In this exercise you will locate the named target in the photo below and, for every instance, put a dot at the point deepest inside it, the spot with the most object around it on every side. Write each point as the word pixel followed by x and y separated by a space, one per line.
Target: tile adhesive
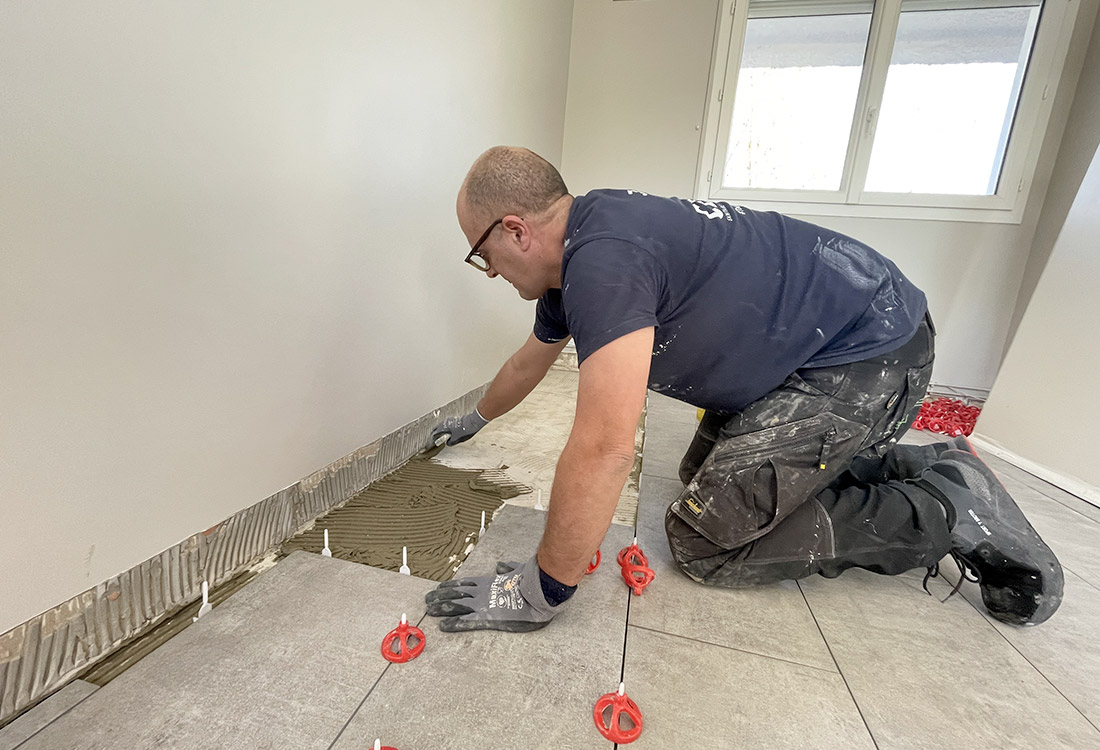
pixel 433 509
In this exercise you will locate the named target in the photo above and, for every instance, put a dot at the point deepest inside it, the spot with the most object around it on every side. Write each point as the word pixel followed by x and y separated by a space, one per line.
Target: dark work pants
pixel 810 479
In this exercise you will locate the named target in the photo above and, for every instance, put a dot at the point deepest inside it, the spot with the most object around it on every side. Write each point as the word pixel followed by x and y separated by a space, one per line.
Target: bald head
pixel 510 180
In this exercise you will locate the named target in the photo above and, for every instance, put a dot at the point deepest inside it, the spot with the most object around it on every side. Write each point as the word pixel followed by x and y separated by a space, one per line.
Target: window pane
pixel 796 94
pixel 950 99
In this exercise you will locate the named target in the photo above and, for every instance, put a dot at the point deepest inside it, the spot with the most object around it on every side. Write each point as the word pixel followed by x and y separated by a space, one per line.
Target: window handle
pixel 870 121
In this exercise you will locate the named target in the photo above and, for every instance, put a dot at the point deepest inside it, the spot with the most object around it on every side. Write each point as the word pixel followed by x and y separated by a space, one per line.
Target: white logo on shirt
pixel 714 210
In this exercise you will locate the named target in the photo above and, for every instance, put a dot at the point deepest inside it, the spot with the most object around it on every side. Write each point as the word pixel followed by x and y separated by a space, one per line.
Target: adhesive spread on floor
pixel 131 653
pixel 432 509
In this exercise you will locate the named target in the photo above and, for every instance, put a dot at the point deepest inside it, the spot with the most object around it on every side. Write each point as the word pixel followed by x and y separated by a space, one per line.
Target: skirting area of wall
pixel 1070 484
pixel 45 652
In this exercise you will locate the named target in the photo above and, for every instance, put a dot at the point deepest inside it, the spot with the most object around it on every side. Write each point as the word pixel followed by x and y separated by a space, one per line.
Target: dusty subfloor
pixel 526 442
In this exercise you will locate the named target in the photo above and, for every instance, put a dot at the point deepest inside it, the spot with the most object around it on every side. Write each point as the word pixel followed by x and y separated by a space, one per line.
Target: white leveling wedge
pixel 326 551
pixel 405 561
pixel 205 608
pixel 482 524
pixel 538 502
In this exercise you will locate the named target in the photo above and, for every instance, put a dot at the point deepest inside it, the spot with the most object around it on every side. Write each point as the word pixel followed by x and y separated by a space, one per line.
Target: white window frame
pixel 1045 67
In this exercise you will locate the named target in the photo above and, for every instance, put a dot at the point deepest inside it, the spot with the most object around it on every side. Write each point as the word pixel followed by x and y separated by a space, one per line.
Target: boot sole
pixel 1021 578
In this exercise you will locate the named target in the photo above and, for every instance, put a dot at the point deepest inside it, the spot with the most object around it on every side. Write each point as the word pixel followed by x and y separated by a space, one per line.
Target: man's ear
pixel 517 228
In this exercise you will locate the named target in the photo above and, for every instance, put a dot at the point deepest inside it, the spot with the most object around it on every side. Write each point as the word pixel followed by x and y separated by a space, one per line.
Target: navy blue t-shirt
pixel 740 299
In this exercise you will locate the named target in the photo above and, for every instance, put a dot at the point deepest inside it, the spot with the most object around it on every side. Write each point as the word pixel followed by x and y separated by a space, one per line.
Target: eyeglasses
pixel 475 258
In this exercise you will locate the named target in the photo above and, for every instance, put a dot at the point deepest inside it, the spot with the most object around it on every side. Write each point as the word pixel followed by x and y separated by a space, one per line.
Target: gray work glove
pixel 459 429
pixel 512 600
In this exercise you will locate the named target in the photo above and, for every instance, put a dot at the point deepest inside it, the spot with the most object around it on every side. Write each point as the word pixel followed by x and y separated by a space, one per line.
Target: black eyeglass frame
pixel 475 250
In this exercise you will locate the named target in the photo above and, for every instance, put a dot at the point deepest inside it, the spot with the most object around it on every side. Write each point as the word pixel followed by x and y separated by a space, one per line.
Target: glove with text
pixel 512 601
pixel 459 429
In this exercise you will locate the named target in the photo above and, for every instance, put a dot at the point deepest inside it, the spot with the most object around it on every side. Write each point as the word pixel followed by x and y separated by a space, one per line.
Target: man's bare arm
pixel 598 456
pixel 518 376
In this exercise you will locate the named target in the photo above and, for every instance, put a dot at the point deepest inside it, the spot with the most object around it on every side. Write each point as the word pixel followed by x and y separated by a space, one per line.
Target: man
pixel 810 353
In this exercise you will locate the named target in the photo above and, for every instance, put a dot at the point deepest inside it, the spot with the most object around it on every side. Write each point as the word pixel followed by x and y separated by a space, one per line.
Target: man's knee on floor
pixel 704 562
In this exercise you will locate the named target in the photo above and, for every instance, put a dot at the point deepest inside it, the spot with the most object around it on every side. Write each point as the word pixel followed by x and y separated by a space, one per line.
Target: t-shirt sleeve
pixel 611 288
pixel 550 325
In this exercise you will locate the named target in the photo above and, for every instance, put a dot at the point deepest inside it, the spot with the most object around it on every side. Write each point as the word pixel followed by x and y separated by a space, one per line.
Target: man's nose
pixel 491 273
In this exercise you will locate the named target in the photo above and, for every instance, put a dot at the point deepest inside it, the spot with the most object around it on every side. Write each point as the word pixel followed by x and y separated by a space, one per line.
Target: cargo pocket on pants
pixel 905 404
pixel 751 482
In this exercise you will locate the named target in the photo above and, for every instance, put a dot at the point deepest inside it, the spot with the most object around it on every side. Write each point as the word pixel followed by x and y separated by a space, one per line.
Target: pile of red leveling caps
pixel 947 416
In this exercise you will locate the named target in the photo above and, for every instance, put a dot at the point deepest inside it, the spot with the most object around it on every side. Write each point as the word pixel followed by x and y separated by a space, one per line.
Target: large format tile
pixel 27 725
pixel 769 620
pixel 700 697
pixel 1074 538
pixel 282 664
pixel 1066 648
pixel 927 674
pixel 1007 469
pixel 664 408
pixel 506 690
pixel 663 448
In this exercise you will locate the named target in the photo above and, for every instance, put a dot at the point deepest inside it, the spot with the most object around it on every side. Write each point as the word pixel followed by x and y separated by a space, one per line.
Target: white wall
pixel 228 252
pixel 649 62
pixel 1044 405
pixel 1079 140
pixel 637 86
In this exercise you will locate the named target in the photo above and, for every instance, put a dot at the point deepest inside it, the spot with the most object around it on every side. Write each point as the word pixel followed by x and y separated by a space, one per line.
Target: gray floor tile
pixel 664 428
pixel 768 620
pixel 1066 648
pixel 506 690
pixel 664 407
pixel 1074 539
pixel 281 664
pixel 662 451
pixel 700 697
pixel 1005 469
pixel 932 675
pixel 45 712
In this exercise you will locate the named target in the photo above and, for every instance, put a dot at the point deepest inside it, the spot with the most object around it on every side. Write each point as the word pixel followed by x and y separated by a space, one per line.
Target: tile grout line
pixel 1083 580
pixel 838 669
pixel 626 634
pixel 358 708
pixel 1048 495
pixel 56 718
pixel 738 650
pixel 626 620
pixel 1067 506
pixel 1030 663
pixel 362 702
pixel 657 476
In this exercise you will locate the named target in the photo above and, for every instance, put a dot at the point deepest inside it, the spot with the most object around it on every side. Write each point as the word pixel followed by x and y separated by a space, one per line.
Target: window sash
pixel 1045 63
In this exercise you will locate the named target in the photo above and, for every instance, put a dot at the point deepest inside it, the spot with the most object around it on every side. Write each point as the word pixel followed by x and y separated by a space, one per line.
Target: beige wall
pixel 1080 139
pixel 1044 406
pixel 637 83
pixel 228 254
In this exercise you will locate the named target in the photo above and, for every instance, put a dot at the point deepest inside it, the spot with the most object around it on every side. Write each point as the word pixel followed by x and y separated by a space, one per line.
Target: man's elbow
pixel 618 456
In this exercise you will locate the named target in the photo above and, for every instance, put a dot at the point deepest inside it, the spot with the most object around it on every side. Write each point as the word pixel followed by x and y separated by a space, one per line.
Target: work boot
pixel 1020 578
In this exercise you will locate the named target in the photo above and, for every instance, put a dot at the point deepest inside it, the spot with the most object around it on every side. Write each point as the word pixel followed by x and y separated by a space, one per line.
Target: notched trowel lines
pixel 432 509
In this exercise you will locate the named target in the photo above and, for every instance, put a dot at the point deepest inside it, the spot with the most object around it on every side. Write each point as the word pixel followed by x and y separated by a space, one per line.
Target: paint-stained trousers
pixel 810 478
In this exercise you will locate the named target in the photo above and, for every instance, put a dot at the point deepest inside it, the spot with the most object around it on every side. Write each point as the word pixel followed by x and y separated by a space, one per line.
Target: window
pixel 920 108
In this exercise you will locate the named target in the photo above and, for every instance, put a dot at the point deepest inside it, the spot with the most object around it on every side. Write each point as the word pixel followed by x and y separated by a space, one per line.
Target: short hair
pixel 510 180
